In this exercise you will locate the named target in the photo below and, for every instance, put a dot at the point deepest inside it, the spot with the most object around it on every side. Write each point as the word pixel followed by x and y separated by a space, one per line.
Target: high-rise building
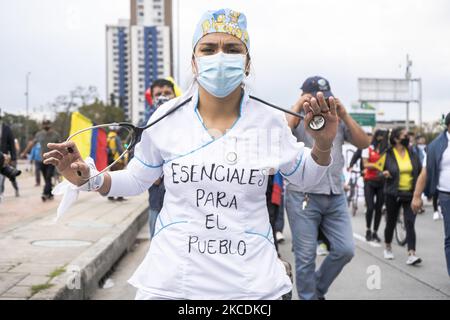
pixel 118 68
pixel 138 52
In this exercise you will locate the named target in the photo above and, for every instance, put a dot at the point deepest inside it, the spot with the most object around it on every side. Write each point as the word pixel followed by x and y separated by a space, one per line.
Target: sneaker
pixel 17 194
pixel 322 250
pixel 111 198
pixel 413 260
pixel 46 197
pixel 368 235
pixel 437 216
pixel 279 236
pixel 388 255
pixel 375 237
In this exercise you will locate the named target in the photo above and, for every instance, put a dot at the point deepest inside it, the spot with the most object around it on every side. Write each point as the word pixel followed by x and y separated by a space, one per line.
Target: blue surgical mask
pixel 221 73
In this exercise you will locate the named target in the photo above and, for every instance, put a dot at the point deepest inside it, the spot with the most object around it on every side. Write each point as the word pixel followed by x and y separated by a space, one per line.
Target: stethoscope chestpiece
pixel 231 155
pixel 317 122
pixel 231 158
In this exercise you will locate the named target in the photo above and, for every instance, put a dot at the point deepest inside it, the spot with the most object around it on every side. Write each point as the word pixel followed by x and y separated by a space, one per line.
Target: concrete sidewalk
pixel 42 259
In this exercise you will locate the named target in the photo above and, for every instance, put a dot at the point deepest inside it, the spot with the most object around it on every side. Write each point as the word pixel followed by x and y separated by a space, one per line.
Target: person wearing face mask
pixel 401 170
pixel 44 137
pixel 373 184
pixel 213 237
pixel 419 147
pixel 161 91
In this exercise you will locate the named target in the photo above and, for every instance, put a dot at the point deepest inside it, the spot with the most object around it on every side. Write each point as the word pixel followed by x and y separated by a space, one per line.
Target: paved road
pixel 397 280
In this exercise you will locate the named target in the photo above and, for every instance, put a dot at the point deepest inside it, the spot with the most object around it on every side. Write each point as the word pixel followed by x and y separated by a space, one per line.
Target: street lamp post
pixel 27 95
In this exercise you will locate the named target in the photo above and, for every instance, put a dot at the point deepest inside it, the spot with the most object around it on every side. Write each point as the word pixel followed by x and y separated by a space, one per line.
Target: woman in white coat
pixel 213 239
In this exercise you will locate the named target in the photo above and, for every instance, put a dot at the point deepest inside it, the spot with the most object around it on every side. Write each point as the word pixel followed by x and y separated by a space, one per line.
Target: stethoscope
pixel 317 123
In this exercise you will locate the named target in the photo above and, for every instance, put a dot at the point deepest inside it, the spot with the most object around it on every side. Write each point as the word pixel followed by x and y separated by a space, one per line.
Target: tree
pixel 17 124
pixel 85 95
pixel 61 124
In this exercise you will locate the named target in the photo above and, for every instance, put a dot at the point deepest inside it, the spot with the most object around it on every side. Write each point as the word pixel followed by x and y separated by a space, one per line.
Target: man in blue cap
pixel 325 206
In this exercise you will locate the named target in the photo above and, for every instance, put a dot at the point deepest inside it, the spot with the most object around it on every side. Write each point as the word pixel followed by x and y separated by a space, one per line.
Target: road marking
pixel 363 239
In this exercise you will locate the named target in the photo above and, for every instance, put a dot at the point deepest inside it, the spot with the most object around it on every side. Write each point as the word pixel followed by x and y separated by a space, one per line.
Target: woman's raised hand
pixel 319 106
pixel 67 160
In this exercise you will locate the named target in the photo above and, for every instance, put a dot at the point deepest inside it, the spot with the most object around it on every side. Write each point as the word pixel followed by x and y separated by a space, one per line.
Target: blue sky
pixel 62 44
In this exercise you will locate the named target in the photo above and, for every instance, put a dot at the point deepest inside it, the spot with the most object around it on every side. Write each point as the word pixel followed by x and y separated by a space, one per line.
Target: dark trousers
pixel 37 169
pixel 13 182
pixel 435 202
pixel 393 205
pixel 371 191
pixel 273 214
pixel 47 171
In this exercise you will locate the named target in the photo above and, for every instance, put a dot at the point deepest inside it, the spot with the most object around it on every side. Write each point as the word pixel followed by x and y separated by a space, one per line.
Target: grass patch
pixel 57 272
pixel 39 287
pixel 44 286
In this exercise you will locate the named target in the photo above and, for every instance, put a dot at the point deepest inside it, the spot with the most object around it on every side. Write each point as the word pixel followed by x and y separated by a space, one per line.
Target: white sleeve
pixel 144 169
pixel 297 165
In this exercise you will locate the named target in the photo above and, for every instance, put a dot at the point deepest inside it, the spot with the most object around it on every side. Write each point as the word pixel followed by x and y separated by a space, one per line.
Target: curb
pixel 84 273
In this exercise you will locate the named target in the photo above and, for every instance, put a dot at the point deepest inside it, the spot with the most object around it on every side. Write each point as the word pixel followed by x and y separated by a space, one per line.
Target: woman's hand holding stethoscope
pixel 321 120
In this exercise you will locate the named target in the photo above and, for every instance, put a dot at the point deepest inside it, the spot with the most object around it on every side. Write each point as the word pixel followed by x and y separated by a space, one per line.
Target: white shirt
pixel 444 176
pixel 213 238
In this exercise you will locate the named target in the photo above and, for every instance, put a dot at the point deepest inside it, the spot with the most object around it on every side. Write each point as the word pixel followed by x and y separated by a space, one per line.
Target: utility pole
pixel 408 77
pixel 420 103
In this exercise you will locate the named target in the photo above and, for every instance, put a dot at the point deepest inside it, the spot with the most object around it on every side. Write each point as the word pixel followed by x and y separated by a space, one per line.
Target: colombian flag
pixel 92 143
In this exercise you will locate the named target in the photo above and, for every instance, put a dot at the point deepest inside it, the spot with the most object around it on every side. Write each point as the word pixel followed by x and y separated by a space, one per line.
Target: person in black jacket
pixel 8 147
pixel 401 170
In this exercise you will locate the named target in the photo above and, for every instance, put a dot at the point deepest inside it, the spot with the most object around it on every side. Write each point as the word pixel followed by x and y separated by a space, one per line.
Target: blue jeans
pixel 152 217
pixel 330 213
pixel 444 200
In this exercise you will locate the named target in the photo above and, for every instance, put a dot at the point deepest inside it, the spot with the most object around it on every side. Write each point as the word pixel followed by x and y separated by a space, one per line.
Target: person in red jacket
pixel 373 184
